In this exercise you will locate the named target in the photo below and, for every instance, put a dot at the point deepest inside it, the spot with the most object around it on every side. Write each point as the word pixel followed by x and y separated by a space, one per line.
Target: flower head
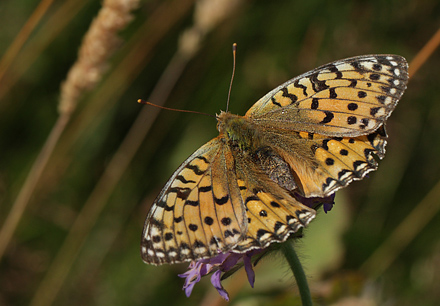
pixel 225 262
pixel 221 263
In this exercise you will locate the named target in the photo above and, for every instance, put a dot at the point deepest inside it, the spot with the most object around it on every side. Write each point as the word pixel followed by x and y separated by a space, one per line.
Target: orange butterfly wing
pixel 328 122
pixel 314 134
pixel 351 97
pixel 272 212
pixel 217 202
pixel 199 211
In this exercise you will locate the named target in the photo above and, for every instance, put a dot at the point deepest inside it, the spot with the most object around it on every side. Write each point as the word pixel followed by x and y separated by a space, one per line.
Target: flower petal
pixel 189 288
pixel 230 261
pixel 248 267
pixel 215 280
pixel 193 276
pixel 328 204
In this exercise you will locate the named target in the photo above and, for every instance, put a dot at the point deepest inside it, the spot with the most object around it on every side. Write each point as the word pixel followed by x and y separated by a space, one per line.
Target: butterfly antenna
pixel 234 50
pixel 174 109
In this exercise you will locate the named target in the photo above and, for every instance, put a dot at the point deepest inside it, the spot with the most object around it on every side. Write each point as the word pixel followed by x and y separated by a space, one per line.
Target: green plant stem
pixel 298 272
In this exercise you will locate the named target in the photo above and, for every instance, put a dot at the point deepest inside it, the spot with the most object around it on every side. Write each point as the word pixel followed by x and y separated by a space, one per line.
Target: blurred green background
pixel 77 242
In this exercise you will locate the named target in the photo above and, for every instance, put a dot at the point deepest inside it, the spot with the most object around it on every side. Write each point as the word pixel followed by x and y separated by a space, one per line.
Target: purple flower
pixel 221 263
pixel 314 202
pixel 225 262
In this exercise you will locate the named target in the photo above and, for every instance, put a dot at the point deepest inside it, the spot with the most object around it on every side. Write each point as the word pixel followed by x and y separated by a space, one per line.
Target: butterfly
pixel 312 135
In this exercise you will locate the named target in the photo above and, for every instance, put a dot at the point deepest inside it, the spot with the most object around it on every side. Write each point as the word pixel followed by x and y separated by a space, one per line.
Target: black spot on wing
pixel 184 246
pixel 181 193
pixel 157 223
pixel 228 233
pixel 222 200
pixel 156 239
pixel 358 67
pixel 205 188
pixel 209 221
pixel 161 204
pixel 169 208
pixel 203 158
pixel 353 84
pixel 199 244
pixel 352 106
pixel 333 69
pixel 381 99
pixel 275 102
pixel 377 67
pixel 351 120
pixel 193 227
pixel 298 85
pixel 329 161
pixel 183 180
pixel 342 173
pixel 178 220
pixel 287 94
pixel 261 233
pixel 277 226
pixel 226 221
pixel 251 198
pixel 365 122
pixel 274 204
pixel 362 94
pixel 192 203
pixel 328 117
pixel 374 76
pixel 317 85
pixel 196 169
pixel 214 241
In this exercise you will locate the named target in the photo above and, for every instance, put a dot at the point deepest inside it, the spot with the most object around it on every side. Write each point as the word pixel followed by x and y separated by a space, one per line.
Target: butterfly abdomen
pixel 275 167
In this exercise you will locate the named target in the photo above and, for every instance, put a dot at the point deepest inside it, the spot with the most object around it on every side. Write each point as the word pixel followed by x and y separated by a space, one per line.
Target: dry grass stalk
pixel 16 46
pixel 60 268
pixel 114 15
pixel 99 43
pixel 207 15
pixel 423 55
pixel 47 32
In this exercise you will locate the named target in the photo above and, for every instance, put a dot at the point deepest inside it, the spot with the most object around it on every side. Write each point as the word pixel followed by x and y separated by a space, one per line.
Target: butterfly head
pixel 238 130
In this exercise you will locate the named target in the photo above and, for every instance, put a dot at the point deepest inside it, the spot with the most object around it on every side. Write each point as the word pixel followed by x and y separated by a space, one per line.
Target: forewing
pixel 350 97
pixel 199 212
